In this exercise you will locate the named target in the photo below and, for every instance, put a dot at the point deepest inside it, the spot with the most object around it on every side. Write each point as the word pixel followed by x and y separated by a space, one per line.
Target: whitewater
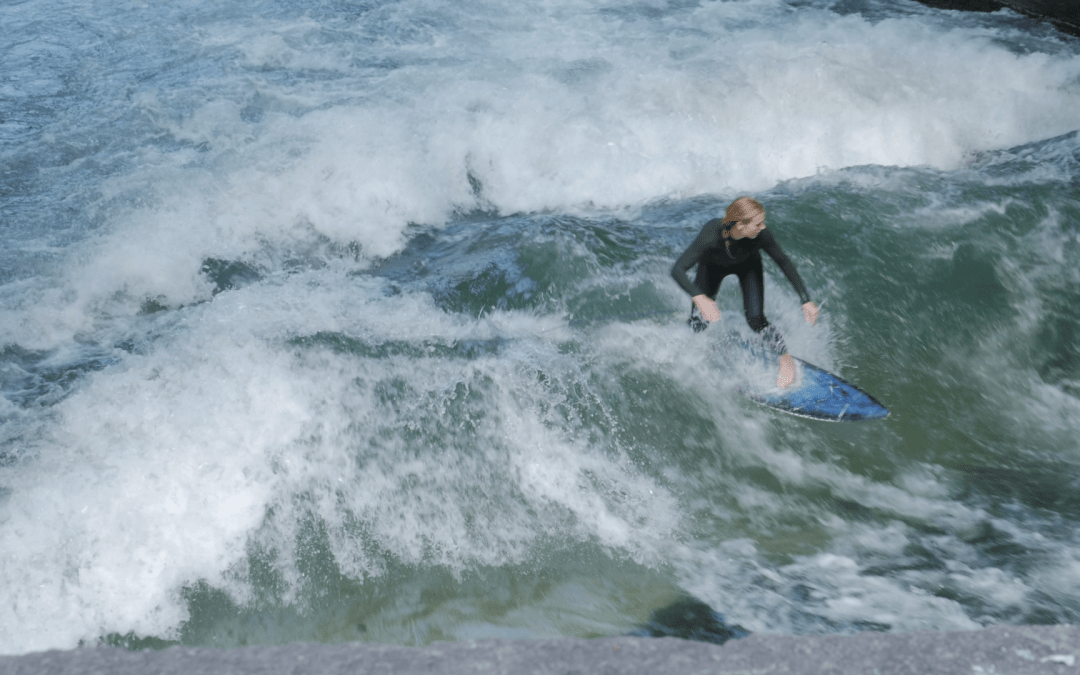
pixel 348 321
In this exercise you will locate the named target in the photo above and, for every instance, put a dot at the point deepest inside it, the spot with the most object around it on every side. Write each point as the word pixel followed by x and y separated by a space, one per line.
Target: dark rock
pixel 1064 14
pixel 690 619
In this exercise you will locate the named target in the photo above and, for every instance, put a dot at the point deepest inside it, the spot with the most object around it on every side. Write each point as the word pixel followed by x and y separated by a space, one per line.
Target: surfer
pixel 732 245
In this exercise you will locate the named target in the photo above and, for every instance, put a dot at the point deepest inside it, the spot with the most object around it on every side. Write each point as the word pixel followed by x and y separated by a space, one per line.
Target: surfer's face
pixel 748 228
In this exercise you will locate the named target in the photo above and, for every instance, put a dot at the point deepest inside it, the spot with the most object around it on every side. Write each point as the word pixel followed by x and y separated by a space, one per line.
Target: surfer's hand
pixel 810 311
pixel 787 371
pixel 707 306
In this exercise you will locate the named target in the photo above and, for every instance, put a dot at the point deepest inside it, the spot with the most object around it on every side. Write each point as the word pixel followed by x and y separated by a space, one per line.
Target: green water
pixel 949 297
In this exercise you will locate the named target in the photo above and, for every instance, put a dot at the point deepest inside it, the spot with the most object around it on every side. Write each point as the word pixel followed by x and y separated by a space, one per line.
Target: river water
pixel 331 321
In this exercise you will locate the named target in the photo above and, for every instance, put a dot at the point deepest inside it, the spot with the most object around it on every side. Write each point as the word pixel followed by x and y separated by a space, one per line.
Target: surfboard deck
pixel 815 394
pixel 820 395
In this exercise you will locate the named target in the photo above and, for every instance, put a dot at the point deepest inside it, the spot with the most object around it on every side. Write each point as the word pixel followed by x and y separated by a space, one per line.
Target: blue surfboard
pixel 816 393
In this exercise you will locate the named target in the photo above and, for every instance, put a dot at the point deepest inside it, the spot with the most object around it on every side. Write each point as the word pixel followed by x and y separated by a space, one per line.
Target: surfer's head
pixel 744 218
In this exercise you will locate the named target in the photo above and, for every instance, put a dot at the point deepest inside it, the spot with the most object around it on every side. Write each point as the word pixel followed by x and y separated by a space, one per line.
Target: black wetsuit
pixel 717 257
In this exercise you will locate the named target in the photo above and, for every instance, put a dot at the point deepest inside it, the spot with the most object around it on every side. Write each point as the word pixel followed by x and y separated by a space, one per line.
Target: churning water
pixel 351 320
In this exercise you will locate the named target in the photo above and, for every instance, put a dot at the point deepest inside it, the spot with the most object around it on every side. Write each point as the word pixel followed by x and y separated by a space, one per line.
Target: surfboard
pixel 815 394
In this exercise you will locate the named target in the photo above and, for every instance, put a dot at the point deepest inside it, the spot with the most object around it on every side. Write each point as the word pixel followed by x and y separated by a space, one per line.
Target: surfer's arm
pixel 707 306
pixel 770 245
pixel 707 238
pixel 787 365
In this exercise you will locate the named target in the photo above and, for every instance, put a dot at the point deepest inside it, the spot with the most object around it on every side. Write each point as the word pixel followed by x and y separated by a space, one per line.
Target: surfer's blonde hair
pixel 743 209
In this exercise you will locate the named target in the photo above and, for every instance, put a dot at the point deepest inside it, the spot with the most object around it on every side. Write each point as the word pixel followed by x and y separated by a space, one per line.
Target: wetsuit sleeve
pixel 770 245
pixel 709 237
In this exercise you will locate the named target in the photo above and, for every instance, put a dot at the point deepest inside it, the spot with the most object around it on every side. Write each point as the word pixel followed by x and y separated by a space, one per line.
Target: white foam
pixel 159 470
pixel 148 479
pixel 608 114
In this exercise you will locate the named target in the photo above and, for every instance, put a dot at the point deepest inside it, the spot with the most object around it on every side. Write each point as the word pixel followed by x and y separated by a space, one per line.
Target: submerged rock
pixel 690 619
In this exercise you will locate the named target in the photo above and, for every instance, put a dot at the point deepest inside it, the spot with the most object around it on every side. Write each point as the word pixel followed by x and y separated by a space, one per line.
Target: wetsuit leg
pixel 752 282
pixel 708 279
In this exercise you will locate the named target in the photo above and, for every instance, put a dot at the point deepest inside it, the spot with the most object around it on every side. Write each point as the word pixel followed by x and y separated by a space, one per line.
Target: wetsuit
pixel 717 257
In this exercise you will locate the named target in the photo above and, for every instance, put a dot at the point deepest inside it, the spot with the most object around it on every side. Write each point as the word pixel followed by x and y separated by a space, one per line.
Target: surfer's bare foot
pixel 787 371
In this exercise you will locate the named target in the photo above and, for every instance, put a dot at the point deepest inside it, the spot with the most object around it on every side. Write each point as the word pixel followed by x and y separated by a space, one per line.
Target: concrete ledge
pixel 1018 650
